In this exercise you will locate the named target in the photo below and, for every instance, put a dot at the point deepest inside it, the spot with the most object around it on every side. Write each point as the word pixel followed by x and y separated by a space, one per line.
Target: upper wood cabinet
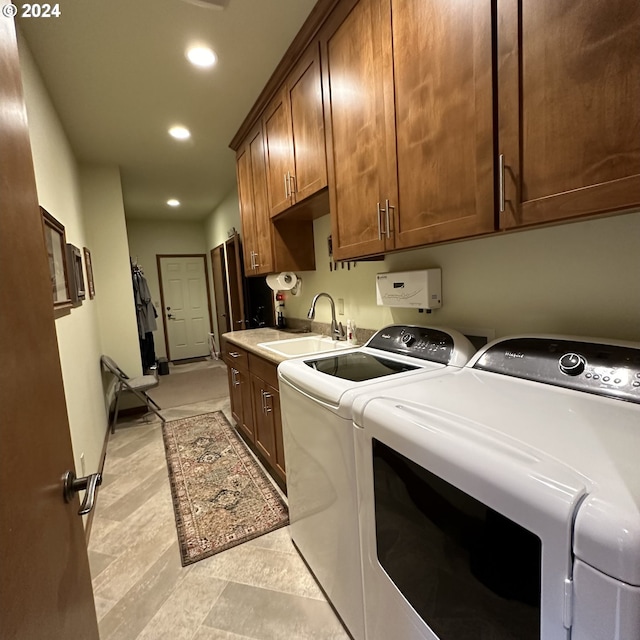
pixel 446 120
pixel 252 193
pixel 569 114
pixel 409 122
pixel 294 137
pixel 268 247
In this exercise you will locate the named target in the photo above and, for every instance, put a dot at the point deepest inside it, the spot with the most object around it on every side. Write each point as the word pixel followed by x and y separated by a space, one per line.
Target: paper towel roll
pixel 284 281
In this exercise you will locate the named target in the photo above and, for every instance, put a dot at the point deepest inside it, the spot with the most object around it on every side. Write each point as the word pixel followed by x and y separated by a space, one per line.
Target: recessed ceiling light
pixel 173 202
pixel 211 4
pixel 179 132
pixel 201 57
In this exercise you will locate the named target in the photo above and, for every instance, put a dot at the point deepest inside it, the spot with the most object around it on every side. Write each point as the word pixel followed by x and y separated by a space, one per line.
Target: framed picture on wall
pixel 56 246
pixel 76 276
pixel 89 267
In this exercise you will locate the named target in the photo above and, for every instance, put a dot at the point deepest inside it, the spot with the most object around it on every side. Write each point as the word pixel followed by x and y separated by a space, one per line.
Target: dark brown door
pixel 236 282
pixel 442 63
pixel 220 290
pixel 569 90
pixel 45 585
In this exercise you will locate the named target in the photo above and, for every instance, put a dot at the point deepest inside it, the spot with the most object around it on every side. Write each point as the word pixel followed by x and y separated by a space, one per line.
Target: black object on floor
pixel 163 367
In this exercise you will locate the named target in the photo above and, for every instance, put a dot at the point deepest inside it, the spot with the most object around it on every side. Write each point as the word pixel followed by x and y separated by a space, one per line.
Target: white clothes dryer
pixel 502 502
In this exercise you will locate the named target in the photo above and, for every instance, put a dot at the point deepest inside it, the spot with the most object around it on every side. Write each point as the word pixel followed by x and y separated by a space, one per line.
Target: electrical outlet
pixel 340 306
pixel 82 465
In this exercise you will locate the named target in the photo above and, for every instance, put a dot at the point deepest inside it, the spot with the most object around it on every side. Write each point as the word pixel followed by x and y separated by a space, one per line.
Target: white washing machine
pixel 316 395
pixel 502 502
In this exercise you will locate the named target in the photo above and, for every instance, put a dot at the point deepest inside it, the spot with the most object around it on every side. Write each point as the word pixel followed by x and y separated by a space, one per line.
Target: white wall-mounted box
pixel 414 289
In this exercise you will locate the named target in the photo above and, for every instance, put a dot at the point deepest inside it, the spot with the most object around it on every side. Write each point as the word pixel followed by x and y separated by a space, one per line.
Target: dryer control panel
pixel 604 369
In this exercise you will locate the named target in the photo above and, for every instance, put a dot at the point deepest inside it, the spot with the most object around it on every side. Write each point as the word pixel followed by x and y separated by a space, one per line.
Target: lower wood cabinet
pixel 241 405
pixel 268 424
pixel 255 406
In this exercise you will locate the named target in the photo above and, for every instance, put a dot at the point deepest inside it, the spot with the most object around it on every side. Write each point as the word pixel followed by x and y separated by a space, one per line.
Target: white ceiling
pixel 118 77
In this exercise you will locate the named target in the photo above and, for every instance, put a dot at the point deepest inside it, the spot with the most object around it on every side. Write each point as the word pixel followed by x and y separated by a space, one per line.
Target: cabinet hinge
pixel 567 614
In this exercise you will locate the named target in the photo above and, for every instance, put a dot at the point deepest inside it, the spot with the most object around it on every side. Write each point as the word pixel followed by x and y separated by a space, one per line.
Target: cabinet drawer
pixel 234 356
pixel 264 369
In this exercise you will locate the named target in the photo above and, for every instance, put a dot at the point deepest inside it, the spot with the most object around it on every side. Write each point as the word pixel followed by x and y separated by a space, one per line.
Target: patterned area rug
pixel 221 497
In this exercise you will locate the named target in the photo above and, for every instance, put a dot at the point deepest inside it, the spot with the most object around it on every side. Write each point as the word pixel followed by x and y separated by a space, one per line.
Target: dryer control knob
pixel 407 339
pixel 572 364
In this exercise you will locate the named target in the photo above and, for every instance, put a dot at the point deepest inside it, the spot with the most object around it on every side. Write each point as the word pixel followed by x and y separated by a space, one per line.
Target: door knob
pixel 171 316
pixel 89 484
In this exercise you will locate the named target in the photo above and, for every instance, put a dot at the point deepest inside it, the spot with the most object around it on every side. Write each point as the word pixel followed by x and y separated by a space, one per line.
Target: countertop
pixel 249 338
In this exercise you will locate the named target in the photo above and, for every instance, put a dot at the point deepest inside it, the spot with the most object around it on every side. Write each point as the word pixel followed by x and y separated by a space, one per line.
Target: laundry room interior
pixel 361 244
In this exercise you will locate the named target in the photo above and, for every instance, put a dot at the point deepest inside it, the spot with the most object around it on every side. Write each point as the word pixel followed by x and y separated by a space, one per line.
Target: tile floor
pixel 259 590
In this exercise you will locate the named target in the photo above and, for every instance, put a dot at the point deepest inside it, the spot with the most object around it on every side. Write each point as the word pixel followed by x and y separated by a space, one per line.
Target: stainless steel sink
pixel 294 347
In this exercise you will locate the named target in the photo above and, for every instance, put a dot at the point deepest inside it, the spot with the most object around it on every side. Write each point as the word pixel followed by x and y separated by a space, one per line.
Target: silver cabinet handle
pixel 380 222
pixel 292 184
pixel 234 354
pixel 387 207
pixel 262 394
pixel 286 187
pixel 256 264
pixel 267 408
pixel 234 377
pixel 89 484
pixel 501 182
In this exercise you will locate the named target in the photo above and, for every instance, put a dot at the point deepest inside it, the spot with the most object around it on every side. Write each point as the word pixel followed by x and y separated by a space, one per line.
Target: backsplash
pixel 521 282
pixel 324 328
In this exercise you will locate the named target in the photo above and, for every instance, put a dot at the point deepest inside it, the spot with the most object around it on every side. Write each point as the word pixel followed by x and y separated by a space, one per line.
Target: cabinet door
pixel 247 424
pixel 234 395
pixel 279 154
pixel 358 102
pixel 263 418
pixel 240 396
pixel 569 90
pixel 254 213
pixel 442 63
pixel 263 259
pixel 304 90
pixel 273 401
pixel 245 198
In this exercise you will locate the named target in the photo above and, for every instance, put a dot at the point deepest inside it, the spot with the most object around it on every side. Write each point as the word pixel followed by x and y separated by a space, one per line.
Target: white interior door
pixel 185 306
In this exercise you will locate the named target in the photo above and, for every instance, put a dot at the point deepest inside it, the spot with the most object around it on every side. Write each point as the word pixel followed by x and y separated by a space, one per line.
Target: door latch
pixel 89 484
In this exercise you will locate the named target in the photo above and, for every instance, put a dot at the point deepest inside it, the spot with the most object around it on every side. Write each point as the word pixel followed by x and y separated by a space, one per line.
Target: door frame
pixel 218 255
pixel 159 256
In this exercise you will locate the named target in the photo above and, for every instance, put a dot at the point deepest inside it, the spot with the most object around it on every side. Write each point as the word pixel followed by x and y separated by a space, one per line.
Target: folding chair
pixel 138 386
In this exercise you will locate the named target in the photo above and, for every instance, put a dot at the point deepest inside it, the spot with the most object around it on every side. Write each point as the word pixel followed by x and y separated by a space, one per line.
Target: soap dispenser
pixel 351 332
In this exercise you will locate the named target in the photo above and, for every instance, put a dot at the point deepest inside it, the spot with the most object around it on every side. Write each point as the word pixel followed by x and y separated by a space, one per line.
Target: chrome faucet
pixel 337 330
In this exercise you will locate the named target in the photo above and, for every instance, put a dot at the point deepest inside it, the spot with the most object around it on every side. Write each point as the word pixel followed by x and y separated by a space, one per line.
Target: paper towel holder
pixel 285 281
